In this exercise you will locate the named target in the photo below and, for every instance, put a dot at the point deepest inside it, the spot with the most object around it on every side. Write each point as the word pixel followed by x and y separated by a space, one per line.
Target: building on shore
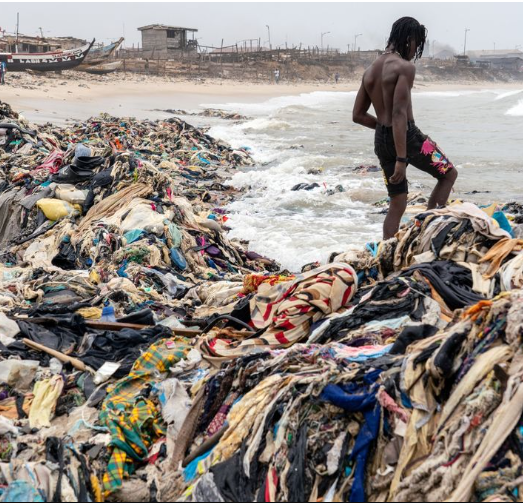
pixel 27 44
pixel 501 59
pixel 168 42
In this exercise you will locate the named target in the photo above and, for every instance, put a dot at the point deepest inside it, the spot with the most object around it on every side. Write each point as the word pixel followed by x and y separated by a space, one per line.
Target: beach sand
pixel 57 99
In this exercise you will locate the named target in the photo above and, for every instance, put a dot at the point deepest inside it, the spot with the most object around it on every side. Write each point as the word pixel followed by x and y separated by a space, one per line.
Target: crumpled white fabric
pixel 481 222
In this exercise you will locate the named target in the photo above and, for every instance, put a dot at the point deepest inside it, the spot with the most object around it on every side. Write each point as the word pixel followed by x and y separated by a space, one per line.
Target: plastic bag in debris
pixel 174 234
pixel 175 402
pixel 21 491
pixel 18 374
pixel 143 216
pixel 105 372
pixel 69 193
pixel 7 426
pixel 55 209
pixel 82 150
pixel 8 329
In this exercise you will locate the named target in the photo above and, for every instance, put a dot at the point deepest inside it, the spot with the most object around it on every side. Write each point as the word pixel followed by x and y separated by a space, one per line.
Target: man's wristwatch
pixel 402 159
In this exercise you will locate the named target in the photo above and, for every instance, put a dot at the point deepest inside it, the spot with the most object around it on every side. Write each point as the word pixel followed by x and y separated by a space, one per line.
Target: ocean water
pixel 311 138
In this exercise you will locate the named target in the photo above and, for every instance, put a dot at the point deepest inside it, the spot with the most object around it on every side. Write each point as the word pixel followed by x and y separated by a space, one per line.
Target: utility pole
pixel 355 40
pixel 269 31
pixel 433 53
pixel 324 33
pixel 465 44
pixel 17 28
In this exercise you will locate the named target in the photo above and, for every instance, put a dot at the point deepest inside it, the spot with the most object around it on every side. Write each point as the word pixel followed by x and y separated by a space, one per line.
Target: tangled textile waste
pixel 144 356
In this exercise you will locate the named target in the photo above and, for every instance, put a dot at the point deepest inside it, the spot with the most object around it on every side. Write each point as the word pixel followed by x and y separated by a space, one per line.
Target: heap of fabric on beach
pixel 393 373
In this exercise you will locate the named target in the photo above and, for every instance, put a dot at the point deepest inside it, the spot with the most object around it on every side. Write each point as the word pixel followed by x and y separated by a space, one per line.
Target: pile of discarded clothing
pixel 115 213
pixel 220 114
pixel 434 416
pixel 146 357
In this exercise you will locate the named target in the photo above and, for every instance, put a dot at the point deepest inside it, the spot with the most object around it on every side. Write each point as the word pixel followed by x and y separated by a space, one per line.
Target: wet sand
pixel 58 100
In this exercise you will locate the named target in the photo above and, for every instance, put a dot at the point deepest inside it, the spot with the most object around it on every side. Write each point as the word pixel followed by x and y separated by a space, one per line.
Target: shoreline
pixel 63 98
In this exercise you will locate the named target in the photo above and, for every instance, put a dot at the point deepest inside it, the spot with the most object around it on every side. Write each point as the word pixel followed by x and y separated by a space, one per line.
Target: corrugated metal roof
pixel 165 27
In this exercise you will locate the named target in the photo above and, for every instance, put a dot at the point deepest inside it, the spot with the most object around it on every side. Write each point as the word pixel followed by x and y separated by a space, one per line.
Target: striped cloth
pixel 289 309
pixel 133 420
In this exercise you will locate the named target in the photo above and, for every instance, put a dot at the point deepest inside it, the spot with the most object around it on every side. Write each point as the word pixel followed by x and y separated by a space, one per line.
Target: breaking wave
pixel 516 110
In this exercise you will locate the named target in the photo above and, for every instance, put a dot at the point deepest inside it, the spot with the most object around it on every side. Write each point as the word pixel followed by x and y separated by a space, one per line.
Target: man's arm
pixel 360 114
pixel 400 105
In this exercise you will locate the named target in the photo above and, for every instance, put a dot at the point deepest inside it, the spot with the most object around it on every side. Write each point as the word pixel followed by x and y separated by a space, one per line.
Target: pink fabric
pixel 428 147
pixel 53 162
pixel 389 404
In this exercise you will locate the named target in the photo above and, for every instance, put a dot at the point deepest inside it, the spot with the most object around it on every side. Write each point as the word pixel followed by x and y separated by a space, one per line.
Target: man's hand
pixel 400 172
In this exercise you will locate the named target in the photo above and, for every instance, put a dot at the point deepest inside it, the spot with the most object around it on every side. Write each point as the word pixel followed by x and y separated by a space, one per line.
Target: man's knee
pixel 452 175
pixel 398 202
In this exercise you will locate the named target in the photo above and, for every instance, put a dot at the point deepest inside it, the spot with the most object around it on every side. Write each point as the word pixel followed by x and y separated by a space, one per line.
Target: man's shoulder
pixel 406 67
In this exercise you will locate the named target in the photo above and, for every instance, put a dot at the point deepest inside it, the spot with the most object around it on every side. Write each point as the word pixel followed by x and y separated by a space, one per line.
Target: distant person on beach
pixel 336 77
pixel 3 70
pixel 276 75
pixel 398 142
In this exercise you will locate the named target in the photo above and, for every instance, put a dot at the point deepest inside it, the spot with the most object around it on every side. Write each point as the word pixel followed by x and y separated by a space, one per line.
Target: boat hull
pixel 46 62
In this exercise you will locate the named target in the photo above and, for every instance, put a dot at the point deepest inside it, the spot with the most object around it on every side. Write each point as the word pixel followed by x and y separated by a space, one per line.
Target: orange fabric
pixel 498 253
pixel 474 311
pixel 8 406
pixel 252 282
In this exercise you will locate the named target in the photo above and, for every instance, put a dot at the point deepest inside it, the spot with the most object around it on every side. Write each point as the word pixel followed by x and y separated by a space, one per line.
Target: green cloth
pixel 135 422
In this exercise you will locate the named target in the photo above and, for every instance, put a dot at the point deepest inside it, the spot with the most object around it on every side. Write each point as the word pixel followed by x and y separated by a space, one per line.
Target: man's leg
pixel 441 192
pixel 398 204
pixel 425 155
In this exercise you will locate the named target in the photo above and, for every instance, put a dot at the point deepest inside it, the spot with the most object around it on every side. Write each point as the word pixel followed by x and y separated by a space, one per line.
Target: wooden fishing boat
pixel 105 68
pixel 101 54
pixel 46 62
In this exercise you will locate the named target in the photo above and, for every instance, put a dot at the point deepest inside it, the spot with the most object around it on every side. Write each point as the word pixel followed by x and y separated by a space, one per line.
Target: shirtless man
pixel 387 85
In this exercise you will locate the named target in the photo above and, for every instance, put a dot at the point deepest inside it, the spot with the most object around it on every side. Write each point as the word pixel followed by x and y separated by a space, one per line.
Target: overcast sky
pixel 294 23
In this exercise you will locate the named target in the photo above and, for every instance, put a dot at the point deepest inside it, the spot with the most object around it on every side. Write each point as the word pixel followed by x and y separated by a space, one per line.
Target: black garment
pixel 144 317
pixel 56 310
pixel 441 238
pixel 88 162
pixel 388 300
pixel 101 179
pixel 123 346
pixel 10 126
pixel 66 257
pixel 444 360
pixel 386 152
pixel 305 187
pixel 54 451
pixel 242 310
pixel 62 334
pixel 425 354
pixel 71 174
pixel 411 334
pixel 296 475
pixel 230 478
pixel 452 281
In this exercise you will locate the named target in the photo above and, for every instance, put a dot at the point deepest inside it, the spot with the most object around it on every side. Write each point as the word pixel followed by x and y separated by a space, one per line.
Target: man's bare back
pixel 380 81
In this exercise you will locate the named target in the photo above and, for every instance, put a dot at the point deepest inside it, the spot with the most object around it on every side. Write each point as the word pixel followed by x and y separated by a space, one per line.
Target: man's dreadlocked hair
pixel 403 30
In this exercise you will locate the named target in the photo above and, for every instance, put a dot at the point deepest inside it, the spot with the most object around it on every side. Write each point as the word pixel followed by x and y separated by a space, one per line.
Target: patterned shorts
pixel 422 153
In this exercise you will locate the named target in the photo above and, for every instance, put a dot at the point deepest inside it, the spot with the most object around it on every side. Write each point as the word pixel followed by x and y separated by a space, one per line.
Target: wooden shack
pixel 168 42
